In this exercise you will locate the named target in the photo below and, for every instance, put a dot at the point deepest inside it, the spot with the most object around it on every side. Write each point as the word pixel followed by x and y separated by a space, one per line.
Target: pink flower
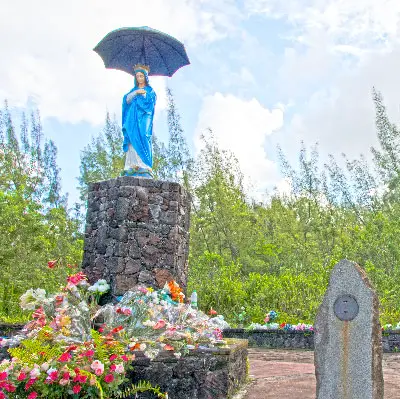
pixel 89 353
pixel 32 395
pixel 113 357
pixel 125 358
pixel 119 368
pixel 99 371
pixel 76 388
pixel 35 372
pixel 3 376
pixel 63 382
pixel 109 378
pixel 2 395
pixel 113 367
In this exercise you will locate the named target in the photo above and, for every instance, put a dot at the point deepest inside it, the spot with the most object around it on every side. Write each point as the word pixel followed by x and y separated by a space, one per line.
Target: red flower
pixel 113 357
pixel 30 383
pixel 32 395
pixel 109 378
pixel 2 395
pixel 124 358
pixel 168 347
pixel 65 357
pixel 116 329
pixel 53 375
pixel 22 376
pixel 3 376
pixel 212 312
pixel 51 264
pixel 89 353
pixel 66 376
pixel 80 378
pixel 113 367
pixel 9 388
pixel 76 388
pixel 76 278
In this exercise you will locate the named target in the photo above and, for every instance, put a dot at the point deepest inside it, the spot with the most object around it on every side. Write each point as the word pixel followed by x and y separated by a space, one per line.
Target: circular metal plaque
pixel 346 308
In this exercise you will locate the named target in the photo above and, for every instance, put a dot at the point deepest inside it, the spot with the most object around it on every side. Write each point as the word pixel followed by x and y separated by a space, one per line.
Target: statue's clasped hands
pixel 140 91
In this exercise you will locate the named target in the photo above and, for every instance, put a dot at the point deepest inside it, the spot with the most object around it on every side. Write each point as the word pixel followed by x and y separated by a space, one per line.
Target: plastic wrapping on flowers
pixel 152 321
pixel 270 324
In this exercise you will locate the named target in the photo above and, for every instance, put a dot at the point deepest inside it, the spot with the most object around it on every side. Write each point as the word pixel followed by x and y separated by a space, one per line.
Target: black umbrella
pixel 123 48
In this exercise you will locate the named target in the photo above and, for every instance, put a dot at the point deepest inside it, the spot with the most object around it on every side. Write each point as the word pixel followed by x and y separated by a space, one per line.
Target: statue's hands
pixel 141 91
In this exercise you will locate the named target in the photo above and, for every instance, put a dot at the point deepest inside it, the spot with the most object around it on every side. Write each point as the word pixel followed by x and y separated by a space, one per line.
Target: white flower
pixel 44 366
pixel 49 371
pixel 32 298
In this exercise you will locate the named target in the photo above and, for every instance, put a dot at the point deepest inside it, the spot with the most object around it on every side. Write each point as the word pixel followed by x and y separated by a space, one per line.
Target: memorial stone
pixel 348 348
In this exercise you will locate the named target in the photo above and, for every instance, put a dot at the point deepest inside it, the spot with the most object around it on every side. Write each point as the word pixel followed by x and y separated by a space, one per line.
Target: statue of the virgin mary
pixel 137 125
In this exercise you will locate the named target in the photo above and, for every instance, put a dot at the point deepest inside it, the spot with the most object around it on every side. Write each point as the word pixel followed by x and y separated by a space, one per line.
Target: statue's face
pixel 140 78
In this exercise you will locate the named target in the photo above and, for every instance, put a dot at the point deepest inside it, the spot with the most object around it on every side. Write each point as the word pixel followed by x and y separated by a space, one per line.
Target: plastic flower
pixel 160 324
pixel 32 395
pixel 51 264
pixel 212 312
pixel 109 378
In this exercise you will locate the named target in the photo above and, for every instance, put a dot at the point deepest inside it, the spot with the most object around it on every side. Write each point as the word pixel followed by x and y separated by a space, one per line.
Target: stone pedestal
pixel 137 232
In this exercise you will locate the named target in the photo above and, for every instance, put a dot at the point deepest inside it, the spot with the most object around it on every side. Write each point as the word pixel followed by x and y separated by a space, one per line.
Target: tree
pixel 35 226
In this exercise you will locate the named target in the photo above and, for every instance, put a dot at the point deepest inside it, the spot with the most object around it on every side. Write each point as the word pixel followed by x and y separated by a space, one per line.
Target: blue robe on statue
pixel 137 123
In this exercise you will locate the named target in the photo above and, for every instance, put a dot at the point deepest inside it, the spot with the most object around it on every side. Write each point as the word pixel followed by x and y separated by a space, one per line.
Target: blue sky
pixel 262 73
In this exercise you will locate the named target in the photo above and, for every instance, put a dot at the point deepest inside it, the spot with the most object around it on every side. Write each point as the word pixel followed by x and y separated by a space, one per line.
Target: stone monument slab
pixel 348 347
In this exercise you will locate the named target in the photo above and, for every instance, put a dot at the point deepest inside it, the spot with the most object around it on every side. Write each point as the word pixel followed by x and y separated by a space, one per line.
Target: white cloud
pixel 242 126
pixel 339 49
pixel 47 54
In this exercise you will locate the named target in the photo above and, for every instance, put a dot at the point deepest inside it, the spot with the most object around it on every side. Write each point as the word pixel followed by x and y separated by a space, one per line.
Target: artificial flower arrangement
pixel 270 323
pixel 60 354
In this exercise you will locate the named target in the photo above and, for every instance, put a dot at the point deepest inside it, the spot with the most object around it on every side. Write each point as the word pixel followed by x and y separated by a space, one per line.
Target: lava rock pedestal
pixel 137 232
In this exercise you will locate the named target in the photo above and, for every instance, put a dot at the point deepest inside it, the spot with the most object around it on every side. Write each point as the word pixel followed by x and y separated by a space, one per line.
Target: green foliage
pixel 279 254
pixel 141 386
pixel 103 158
pixel 36 351
pixel 35 226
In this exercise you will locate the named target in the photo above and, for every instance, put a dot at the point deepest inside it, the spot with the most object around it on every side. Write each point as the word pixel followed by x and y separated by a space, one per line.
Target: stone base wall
pixel 273 338
pixel 202 374
pixel 137 232
pixel 298 339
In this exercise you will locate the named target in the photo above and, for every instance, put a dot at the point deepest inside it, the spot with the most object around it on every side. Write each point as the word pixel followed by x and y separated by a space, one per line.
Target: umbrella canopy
pixel 123 48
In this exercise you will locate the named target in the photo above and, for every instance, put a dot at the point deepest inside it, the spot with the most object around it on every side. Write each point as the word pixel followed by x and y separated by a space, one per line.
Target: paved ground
pixel 290 374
